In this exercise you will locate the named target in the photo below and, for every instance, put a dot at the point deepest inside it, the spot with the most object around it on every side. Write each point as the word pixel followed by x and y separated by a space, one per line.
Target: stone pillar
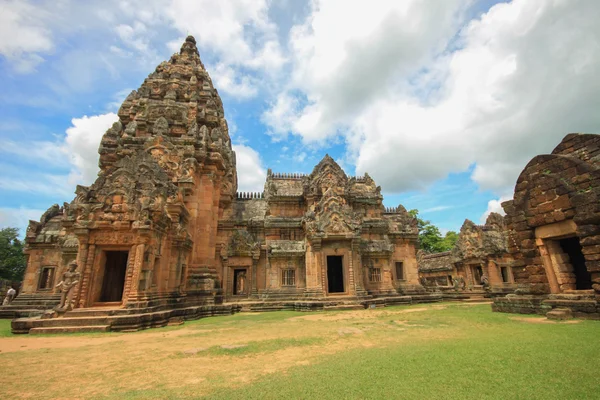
pixel 79 300
pixel 254 290
pixel 547 261
pixel 135 268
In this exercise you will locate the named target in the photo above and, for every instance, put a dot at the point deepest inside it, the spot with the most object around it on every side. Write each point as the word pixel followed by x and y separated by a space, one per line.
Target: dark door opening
pixel 239 282
pixel 477 274
pixel 399 270
pixel 114 276
pixel 335 274
pixel 571 246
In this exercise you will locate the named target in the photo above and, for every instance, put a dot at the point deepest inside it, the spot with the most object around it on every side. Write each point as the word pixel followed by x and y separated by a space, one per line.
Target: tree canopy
pixel 430 237
pixel 12 259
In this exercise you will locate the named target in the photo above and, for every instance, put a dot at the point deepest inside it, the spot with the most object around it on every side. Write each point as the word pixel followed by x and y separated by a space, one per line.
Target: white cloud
pixel 418 94
pixel 37 183
pixel 40 152
pixel 435 209
pixel 281 115
pixel 18 218
pixel 227 80
pixel 82 141
pixel 251 173
pixel 300 157
pixel 225 27
pixel 23 35
pixel 494 206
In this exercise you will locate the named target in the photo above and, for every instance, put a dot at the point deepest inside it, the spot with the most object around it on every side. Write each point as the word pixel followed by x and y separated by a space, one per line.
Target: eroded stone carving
pixel 67 285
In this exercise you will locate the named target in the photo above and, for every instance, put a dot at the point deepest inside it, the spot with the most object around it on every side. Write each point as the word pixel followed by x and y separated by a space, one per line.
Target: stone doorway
pixel 240 282
pixel 335 274
pixel 477 272
pixel 572 248
pixel 113 280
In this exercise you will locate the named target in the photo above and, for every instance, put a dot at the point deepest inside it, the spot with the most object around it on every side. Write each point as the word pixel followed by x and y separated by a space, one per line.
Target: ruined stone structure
pixel 480 252
pixel 555 217
pixel 162 233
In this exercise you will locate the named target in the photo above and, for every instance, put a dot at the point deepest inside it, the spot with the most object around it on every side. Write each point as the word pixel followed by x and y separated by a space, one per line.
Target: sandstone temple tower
pixel 162 233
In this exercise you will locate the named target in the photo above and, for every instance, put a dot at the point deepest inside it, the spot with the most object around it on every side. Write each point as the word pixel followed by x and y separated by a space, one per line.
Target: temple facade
pixel 478 264
pixel 555 220
pixel 163 233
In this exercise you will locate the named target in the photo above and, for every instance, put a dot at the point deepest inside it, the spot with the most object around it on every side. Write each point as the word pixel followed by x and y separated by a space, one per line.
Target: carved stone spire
pixel 174 115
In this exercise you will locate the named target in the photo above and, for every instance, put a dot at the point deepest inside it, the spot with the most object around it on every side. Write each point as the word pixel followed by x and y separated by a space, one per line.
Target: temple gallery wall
pixel 162 235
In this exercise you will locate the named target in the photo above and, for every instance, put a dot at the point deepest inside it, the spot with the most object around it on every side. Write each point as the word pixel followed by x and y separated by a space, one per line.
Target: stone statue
pixel 459 283
pixel 485 282
pixel 70 279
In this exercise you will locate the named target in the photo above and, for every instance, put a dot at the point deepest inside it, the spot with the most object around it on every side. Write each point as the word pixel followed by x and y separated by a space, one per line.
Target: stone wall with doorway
pixel 554 223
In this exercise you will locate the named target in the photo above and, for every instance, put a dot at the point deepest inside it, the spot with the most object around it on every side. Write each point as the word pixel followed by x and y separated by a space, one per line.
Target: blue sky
pixel 441 103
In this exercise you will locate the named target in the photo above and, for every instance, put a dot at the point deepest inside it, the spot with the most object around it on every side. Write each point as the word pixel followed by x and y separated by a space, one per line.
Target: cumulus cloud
pixel 77 151
pixel 23 35
pixel 227 80
pixel 225 26
pixel 81 143
pixel 494 205
pixel 241 35
pixel 419 92
pixel 251 173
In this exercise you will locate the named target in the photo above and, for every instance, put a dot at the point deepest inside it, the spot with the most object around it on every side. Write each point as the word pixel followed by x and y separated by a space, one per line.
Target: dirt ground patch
pixel 26 342
pixel 363 314
pixel 205 356
pixel 538 320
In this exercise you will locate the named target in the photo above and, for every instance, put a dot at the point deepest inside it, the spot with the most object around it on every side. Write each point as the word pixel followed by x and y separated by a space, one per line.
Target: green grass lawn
pixel 498 360
pixel 411 352
pixel 5 328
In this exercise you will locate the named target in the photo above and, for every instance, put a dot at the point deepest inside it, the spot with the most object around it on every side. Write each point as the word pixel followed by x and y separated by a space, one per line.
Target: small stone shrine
pixel 478 265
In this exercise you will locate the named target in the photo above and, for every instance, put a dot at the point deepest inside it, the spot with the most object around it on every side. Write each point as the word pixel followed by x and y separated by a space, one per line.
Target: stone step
pixel 68 322
pixel 572 297
pixel 98 312
pixel 581 292
pixel 69 329
pixel 344 307
pixel 19 313
pixel 559 314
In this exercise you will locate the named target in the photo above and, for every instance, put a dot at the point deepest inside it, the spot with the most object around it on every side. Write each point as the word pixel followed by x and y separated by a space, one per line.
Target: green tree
pixel 430 237
pixel 12 259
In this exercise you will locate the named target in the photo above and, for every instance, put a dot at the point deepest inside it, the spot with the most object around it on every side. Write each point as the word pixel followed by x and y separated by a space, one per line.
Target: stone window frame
pixel 50 281
pixel 375 274
pixel 288 277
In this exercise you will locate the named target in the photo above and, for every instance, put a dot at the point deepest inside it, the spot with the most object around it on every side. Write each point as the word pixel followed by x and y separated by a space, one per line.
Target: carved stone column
pixel 79 300
pixel 255 258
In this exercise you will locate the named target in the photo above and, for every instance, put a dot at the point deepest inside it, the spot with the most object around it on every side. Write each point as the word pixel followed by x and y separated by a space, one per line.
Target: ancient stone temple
pixel 555 217
pixel 162 234
pixel 479 263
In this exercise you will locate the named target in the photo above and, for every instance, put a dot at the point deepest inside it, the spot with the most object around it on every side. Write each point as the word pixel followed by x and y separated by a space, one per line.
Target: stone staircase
pixel 115 319
pixel 573 303
pixel 335 303
pixel 29 305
